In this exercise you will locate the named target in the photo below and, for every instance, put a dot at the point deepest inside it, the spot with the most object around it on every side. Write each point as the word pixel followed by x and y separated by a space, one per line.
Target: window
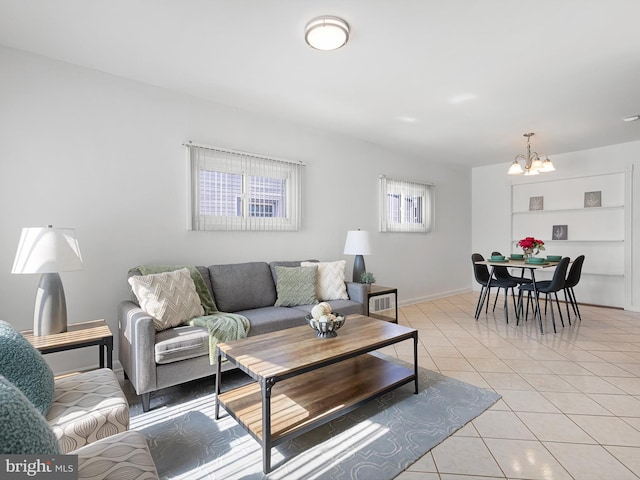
pixel 405 206
pixel 241 191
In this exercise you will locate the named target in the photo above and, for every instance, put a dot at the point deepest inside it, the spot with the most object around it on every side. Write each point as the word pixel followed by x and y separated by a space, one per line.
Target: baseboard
pixel 435 296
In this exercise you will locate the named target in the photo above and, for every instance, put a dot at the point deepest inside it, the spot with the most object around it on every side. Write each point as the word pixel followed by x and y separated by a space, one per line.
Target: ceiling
pixel 456 81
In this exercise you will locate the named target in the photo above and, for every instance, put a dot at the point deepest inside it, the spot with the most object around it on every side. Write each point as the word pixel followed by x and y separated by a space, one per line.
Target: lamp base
pixel 358 269
pixel 50 314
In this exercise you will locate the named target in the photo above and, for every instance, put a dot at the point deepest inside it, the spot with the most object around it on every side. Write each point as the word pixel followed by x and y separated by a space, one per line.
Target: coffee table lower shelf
pixel 306 401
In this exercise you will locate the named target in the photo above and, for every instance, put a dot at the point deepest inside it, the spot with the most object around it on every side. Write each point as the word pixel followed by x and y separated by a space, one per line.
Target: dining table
pixel 523 265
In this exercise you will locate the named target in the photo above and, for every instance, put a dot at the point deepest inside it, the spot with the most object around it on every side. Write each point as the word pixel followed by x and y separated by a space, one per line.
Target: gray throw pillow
pixel 25 367
pixel 296 286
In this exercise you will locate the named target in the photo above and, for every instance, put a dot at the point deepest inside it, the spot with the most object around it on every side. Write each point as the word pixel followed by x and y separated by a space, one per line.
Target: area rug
pixel 376 441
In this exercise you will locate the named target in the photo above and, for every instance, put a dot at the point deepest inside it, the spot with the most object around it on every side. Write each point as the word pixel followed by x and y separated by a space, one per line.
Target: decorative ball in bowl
pixel 326 325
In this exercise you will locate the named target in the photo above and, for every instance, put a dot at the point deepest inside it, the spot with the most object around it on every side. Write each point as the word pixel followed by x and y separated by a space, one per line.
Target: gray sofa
pixel 153 360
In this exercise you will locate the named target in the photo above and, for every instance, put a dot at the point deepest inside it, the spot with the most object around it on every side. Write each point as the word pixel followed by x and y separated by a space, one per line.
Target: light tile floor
pixel 570 406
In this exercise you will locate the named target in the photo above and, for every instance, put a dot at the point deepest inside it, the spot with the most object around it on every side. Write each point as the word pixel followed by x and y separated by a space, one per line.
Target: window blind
pixel 233 190
pixel 405 206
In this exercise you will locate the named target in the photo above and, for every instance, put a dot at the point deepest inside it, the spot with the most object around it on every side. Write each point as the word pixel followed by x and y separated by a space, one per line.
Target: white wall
pixel 492 215
pixel 102 154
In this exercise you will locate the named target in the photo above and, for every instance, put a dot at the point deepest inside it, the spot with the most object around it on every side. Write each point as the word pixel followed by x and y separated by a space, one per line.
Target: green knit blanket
pixel 222 326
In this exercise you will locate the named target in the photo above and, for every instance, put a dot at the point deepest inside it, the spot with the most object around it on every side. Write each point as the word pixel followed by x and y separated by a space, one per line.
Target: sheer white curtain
pixel 233 190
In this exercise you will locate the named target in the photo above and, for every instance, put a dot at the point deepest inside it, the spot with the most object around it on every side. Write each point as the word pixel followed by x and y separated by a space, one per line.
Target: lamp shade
pixel 47 250
pixel 357 243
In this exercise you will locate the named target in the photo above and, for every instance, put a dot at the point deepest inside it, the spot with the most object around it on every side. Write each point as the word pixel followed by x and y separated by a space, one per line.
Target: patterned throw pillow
pixel 26 368
pixel 296 286
pixel 331 284
pixel 169 297
pixel 23 430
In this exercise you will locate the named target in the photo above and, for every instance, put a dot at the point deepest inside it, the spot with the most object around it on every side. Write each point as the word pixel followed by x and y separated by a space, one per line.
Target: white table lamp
pixel 357 244
pixel 48 250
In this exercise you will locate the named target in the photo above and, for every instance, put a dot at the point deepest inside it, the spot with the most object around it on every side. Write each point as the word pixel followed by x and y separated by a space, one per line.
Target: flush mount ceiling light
pixel 632 118
pixel 533 165
pixel 326 33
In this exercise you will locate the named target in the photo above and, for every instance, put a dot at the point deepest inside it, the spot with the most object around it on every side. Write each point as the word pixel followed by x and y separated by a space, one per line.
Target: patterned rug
pixel 378 440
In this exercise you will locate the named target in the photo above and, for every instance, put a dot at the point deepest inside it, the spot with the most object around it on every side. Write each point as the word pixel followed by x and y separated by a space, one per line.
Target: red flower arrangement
pixel 531 245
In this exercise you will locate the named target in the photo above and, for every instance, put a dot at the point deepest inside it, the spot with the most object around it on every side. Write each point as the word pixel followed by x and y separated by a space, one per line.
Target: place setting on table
pixel 499 276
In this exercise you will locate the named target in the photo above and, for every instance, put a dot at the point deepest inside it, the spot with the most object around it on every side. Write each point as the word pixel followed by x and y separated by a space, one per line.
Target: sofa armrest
pixel 358 293
pixel 136 351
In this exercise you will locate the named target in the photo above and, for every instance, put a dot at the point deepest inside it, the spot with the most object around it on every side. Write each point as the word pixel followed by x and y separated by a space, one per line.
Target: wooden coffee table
pixel 302 381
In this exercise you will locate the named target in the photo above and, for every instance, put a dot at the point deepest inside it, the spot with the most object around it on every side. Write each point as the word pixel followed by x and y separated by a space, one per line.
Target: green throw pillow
pixel 25 367
pixel 23 431
pixel 296 286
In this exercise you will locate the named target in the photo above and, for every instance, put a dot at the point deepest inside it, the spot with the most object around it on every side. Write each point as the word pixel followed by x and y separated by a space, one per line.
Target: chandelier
pixel 533 165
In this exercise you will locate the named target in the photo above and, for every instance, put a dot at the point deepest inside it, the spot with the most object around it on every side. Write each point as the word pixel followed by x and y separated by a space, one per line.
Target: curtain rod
pixel 189 143
pixel 410 181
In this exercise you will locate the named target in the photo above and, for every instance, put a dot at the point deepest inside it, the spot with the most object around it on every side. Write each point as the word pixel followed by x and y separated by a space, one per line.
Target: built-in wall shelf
pixel 586 210
pixel 577 216
pixel 599 274
pixel 558 242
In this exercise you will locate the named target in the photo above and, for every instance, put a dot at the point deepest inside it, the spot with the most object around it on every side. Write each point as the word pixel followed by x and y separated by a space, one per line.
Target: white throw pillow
pixel 169 297
pixel 330 285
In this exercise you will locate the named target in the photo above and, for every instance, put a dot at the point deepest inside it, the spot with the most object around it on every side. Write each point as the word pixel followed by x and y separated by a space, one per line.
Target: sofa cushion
pixel 23 430
pixel 270 319
pixel 346 307
pixel 296 286
pixel 180 343
pixel 169 297
pixel 25 367
pixel 87 407
pixel 331 280
pixel 242 286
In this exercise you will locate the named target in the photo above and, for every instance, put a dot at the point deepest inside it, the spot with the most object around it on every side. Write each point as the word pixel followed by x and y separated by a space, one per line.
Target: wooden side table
pixel 78 335
pixel 378 291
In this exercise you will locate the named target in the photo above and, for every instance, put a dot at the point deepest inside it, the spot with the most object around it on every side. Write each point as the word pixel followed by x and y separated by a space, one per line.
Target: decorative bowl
pixel 536 260
pixel 554 258
pixel 517 256
pixel 326 329
pixel 497 258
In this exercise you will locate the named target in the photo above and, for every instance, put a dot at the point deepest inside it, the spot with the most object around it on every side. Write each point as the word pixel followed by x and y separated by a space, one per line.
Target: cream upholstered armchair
pixel 86 414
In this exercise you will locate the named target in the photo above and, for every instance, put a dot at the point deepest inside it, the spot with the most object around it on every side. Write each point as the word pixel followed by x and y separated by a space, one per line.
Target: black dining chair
pixel 503 273
pixel 575 272
pixel 483 277
pixel 547 287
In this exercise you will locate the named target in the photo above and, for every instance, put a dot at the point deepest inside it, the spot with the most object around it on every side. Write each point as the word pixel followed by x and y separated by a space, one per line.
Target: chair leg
pixel 513 297
pixel 553 318
pixel 534 305
pixel 559 309
pixel 575 302
pixel 566 304
pixel 496 299
pixel 479 306
pixel 546 297
pixel 506 304
pixel 519 309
